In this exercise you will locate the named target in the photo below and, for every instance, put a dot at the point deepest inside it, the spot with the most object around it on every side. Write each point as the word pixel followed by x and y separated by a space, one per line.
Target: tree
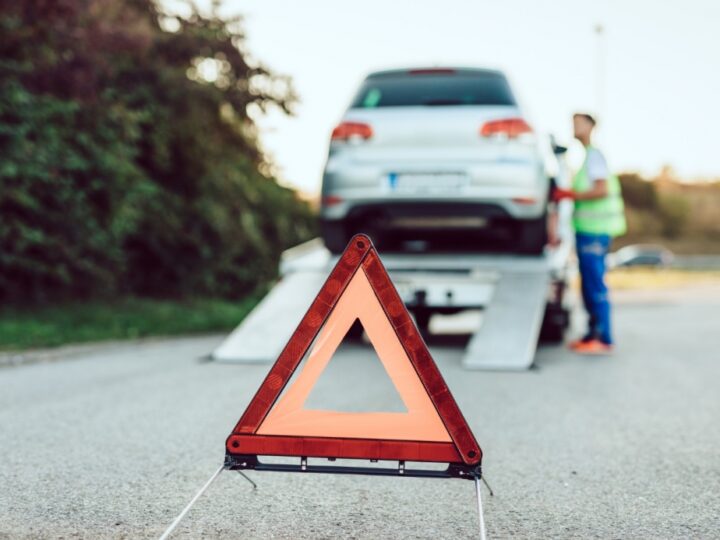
pixel 122 168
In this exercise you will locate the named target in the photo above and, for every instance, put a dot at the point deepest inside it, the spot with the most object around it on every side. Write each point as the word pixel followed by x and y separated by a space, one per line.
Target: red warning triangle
pixel 276 423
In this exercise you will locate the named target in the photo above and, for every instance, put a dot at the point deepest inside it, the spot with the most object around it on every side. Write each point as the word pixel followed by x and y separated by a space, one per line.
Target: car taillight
pixel 351 130
pixel 510 127
pixel 331 200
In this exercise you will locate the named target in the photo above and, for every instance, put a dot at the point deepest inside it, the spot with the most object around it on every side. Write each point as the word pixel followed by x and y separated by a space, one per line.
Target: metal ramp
pixel 512 291
pixel 266 330
pixel 508 336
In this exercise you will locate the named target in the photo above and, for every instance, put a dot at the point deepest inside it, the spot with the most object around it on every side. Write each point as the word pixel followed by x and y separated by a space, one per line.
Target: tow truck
pixel 522 298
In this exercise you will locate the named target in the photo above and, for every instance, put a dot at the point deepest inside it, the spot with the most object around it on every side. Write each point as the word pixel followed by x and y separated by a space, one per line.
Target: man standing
pixel 598 217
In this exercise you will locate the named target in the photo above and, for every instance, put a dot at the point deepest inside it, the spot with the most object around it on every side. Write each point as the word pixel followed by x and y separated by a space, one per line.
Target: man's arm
pixel 597 170
pixel 552 215
pixel 598 190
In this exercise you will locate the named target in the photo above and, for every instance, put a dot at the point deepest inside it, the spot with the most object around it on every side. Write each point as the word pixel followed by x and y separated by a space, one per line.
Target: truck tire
pixel 532 236
pixel 334 235
pixel 355 333
pixel 422 321
pixel 555 322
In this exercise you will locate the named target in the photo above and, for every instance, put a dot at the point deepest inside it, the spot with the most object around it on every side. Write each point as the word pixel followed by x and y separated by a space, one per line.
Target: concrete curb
pixel 9 359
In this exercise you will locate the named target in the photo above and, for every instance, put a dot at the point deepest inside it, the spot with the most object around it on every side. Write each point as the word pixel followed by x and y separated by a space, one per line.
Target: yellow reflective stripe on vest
pixel 595 214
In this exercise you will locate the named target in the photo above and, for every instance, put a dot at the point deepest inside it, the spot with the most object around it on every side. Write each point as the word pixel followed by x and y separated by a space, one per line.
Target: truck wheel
pixel 355 333
pixel 532 236
pixel 555 322
pixel 334 235
pixel 422 321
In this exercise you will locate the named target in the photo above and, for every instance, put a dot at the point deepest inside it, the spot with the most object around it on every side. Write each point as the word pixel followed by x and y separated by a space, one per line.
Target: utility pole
pixel 600 71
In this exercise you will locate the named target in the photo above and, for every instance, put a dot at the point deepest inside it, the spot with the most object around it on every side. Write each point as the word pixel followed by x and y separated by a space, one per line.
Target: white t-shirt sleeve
pixel 597 168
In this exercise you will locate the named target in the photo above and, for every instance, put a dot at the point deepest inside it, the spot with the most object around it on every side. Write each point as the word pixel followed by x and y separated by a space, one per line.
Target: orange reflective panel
pixel 421 422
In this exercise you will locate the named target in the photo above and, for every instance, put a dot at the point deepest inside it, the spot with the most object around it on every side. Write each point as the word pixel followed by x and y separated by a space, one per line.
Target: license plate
pixel 427 183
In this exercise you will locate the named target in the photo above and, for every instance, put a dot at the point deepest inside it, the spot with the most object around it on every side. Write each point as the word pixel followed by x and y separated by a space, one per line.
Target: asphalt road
pixel 113 441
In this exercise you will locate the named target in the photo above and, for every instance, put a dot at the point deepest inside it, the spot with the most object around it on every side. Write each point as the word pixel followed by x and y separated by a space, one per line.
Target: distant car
pixel 640 255
pixel 439 154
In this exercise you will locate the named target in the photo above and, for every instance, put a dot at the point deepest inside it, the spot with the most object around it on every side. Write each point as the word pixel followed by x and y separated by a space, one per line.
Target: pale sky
pixel 660 99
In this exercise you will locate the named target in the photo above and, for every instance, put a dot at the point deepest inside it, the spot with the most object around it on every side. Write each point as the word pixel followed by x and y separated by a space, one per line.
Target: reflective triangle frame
pixel 462 453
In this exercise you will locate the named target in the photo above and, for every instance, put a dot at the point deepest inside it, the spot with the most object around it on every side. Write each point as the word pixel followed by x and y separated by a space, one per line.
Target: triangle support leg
pixel 182 514
pixel 246 477
pixel 481 517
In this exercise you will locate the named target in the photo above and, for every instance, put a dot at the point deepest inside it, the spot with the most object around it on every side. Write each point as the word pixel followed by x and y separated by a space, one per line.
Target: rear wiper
pixel 436 102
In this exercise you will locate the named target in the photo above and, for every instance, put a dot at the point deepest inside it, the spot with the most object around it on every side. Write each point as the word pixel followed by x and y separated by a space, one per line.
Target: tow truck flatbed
pixel 517 293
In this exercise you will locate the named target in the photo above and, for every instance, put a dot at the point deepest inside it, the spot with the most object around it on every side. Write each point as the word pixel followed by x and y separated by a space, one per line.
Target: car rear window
pixel 433 89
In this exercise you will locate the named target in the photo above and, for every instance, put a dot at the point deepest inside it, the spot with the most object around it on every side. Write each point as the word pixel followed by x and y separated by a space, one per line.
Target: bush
pixel 674 211
pixel 638 192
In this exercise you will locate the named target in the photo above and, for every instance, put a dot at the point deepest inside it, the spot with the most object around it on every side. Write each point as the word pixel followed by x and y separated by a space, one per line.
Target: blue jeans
pixel 591 251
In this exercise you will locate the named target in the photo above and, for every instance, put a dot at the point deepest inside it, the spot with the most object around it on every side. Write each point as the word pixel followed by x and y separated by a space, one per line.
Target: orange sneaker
pixel 593 347
pixel 577 343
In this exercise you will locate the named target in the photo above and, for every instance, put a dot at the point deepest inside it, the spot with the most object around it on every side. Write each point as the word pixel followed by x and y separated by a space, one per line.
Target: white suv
pixel 439 155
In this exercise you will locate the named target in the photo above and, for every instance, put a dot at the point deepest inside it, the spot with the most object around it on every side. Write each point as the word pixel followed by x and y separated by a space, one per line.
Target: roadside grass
pixel 659 278
pixel 82 322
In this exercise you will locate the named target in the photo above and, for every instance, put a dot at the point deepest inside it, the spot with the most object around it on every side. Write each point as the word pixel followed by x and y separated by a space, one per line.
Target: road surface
pixel 113 441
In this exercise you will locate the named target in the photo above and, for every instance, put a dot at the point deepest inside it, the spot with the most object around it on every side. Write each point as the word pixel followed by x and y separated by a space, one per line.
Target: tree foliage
pixel 657 207
pixel 639 192
pixel 124 167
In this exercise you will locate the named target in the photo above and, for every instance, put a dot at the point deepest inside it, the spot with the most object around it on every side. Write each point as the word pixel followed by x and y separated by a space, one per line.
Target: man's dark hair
pixel 587 117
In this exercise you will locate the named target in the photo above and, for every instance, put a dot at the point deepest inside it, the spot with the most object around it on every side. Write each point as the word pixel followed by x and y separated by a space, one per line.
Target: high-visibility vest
pixel 599 216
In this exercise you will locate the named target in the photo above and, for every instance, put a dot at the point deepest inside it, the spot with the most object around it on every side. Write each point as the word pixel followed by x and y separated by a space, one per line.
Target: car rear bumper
pixel 517 190
pixel 432 210
pixel 406 211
